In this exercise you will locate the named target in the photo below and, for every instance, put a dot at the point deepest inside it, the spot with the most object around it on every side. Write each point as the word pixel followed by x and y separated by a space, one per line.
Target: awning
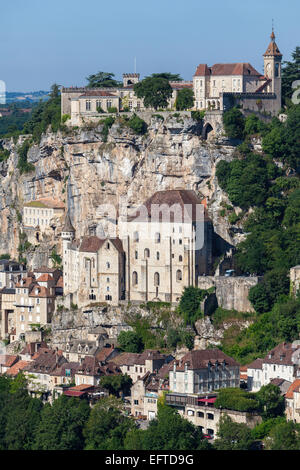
pixel 208 400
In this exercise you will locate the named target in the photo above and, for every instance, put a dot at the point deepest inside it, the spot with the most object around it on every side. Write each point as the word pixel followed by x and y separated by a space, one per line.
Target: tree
pixel 61 424
pixel 234 123
pixel 290 73
pixel 185 99
pixel 107 426
pixel 236 399
pixel 155 91
pixel 116 384
pixel 169 431
pixel 271 401
pixel 130 341
pixel 190 304
pixel 233 436
pixel 102 80
pixel 284 436
pixel 171 77
pixel 265 294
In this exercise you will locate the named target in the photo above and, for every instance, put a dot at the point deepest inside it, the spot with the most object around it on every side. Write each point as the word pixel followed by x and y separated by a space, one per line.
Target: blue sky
pixel 63 41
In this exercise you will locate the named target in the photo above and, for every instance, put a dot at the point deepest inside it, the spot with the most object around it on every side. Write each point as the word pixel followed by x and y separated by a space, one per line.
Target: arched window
pixel 180 258
pixel 108 246
pixel 156 279
pixel 93 262
pixel 136 236
pixel 108 265
pixel 146 253
pixel 134 278
pixel 157 255
pixel 178 275
pixel 157 237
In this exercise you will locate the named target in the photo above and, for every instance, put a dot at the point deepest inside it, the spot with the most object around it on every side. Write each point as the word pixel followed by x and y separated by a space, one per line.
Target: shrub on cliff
pixel 234 123
pixel 137 124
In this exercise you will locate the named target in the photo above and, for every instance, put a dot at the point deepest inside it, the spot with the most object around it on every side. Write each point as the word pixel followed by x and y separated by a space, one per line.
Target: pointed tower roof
pixel 272 47
pixel 68 227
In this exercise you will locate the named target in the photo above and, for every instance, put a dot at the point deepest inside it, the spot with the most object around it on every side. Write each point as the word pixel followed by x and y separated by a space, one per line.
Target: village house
pixel 201 371
pixel 6 362
pixel 38 373
pixel 282 362
pixel 10 273
pixel 136 365
pixel 91 370
pixel 292 402
pixel 34 303
pixel 146 391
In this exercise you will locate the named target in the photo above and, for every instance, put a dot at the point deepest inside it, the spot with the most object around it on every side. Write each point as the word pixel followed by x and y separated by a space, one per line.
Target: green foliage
pixel 155 92
pixel 233 436
pixel 234 123
pixel 100 110
pixel 65 118
pixel 116 384
pixel 270 329
pixel 290 73
pixel 222 315
pixel 263 296
pixel 130 341
pixel 112 109
pixel 107 427
pixel 263 429
pixel 4 154
pixel 61 424
pixel 107 123
pixel 284 436
pixel 246 181
pixel 270 400
pixel 46 114
pixel 185 99
pixel 190 304
pixel 102 80
pixel 236 399
pixel 5 256
pixel 253 125
pixel 56 259
pixel 169 431
pixel 23 164
pixel 172 77
pixel 137 124
pixel 12 125
pixel 198 115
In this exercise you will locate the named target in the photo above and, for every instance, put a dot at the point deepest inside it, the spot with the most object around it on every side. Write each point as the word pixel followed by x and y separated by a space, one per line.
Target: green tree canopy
pixel 234 123
pixel 155 91
pixel 103 80
pixel 116 384
pixel 271 401
pixel 61 424
pixel 185 99
pixel 190 304
pixel 290 73
pixel 233 436
pixel 130 341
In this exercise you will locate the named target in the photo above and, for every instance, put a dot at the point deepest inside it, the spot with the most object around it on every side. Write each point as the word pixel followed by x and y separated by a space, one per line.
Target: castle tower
pixel 130 79
pixel 67 235
pixel 272 68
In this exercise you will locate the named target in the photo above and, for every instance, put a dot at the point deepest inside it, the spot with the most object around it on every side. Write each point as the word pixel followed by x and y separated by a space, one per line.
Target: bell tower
pixel 272 68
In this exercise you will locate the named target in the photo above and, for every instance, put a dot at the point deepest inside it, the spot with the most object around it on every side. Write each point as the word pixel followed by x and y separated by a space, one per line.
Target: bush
pixel 234 123
pixel 137 124
pixel 236 399
pixel 23 165
pixel 112 109
pixel 107 123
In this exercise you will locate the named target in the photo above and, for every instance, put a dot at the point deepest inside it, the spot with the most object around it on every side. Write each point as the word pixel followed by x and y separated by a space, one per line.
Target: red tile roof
pixel 46 202
pixel 239 68
pixel 293 388
pixel 97 93
pixel 15 369
pixel 186 200
pixel 45 278
pixel 7 360
pixel 199 359
pixel 93 244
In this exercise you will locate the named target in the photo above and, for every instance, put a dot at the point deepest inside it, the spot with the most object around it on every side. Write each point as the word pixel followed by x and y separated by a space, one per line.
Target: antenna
pixel 135 65
pixel 272 25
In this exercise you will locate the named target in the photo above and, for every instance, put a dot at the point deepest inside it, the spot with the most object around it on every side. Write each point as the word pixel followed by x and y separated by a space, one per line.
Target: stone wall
pixel 231 292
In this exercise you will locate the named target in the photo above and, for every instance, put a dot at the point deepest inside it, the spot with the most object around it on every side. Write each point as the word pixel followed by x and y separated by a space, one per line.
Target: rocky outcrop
pixel 83 171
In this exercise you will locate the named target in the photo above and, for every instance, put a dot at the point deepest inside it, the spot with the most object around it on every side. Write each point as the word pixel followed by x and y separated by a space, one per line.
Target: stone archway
pixel 207 131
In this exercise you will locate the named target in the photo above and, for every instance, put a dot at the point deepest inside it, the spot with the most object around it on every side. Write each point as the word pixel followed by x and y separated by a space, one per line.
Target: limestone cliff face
pixel 83 171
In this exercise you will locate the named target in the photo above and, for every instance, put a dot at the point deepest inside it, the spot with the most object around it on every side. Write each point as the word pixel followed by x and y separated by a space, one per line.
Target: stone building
pixel 93 268
pixel 292 402
pixel 34 302
pixel 204 371
pixel 168 244
pixel 282 362
pixel 222 85
pixel 10 273
pixel 200 410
